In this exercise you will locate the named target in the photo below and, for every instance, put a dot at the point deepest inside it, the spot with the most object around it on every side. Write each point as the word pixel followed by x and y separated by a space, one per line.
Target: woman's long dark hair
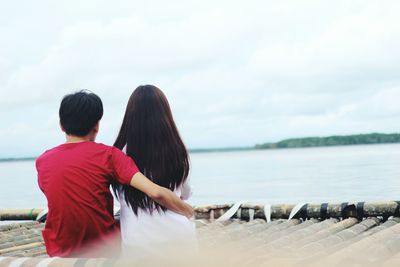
pixel 152 140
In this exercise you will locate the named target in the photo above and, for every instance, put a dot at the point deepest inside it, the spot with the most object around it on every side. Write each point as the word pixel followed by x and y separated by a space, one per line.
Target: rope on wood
pixel 267 212
pixel 296 210
pixel 234 209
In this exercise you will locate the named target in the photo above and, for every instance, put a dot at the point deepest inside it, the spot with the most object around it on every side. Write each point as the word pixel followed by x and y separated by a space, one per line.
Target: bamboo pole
pixel 322 211
pixel 255 210
pixel 19 214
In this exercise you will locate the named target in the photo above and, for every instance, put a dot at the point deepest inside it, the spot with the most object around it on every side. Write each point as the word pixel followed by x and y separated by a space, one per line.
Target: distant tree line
pixel 17 159
pixel 359 139
pixel 337 140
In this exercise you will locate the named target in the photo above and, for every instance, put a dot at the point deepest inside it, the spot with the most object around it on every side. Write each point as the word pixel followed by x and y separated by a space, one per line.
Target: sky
pixel 236 73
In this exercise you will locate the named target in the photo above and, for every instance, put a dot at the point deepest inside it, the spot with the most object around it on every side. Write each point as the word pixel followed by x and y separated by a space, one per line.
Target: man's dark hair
pixel 79 112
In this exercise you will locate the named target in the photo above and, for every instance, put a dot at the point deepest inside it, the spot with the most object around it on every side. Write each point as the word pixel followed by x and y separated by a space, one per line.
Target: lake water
pixel 328 174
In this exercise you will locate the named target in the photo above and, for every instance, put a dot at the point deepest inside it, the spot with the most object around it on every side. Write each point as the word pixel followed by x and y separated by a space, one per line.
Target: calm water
pixel 353 173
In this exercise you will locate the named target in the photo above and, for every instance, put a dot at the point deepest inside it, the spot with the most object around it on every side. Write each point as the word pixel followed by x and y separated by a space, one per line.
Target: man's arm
pixel 161 195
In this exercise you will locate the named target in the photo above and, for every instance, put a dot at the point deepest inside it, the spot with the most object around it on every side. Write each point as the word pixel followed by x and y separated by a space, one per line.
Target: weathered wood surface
pixel 296 242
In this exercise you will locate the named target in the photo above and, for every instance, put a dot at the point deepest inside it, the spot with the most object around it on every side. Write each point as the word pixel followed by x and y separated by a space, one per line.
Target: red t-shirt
pixel 76 178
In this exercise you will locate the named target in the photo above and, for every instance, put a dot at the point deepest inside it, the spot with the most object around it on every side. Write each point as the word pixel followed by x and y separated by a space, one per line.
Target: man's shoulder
pixel 101 148
pixel 108 148
pixel 77 149
pixel 101 145
pixel 48 153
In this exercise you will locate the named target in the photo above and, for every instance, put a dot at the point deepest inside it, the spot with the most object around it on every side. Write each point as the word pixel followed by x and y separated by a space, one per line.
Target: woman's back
pixel 149 135
pixel 144 234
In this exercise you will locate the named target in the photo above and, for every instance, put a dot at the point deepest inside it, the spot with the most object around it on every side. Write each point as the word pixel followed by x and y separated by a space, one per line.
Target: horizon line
pixel 231 148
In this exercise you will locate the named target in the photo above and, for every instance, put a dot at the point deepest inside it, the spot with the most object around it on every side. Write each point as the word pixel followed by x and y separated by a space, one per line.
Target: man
pixel 75 178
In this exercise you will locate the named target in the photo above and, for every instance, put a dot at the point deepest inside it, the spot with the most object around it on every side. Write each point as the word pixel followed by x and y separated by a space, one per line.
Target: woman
pixel 149 136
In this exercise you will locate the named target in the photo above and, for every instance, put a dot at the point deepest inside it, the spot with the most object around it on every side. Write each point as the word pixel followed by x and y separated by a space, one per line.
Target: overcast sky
pixel 236 73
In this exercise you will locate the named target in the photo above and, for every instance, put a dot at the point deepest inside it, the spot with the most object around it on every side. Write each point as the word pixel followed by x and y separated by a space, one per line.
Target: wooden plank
pixel 22 247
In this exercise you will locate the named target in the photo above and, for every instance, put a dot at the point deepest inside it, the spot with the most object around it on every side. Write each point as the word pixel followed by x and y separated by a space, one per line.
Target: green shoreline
pixel 334 140
pixel 307 142
pixel 17 159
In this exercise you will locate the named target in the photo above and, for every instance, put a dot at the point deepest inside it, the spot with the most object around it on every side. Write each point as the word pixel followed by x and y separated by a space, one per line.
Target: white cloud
pixel 235 73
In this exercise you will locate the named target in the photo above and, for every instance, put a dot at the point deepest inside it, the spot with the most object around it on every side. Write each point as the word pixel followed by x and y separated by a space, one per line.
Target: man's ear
pixel 62 128
pixel 96 127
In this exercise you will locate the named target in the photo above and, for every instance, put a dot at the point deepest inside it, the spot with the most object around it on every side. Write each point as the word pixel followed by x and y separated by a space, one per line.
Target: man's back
pixel 75 177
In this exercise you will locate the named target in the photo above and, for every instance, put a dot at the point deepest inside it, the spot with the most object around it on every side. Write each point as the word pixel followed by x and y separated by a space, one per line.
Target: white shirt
pixel 148 234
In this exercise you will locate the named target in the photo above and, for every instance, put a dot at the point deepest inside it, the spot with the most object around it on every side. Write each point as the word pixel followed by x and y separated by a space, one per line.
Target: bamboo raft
pixel 252 234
